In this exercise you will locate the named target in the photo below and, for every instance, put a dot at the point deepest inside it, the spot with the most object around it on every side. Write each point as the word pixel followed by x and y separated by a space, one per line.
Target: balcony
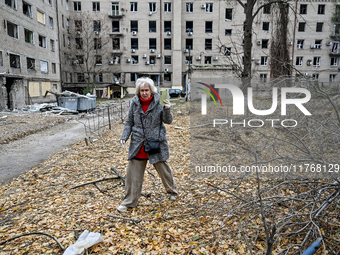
pixel 115 14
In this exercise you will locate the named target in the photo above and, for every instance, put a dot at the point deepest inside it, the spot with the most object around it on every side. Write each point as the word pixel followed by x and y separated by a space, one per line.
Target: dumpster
pixel 84 104
pixel 92 100
pixel 70 103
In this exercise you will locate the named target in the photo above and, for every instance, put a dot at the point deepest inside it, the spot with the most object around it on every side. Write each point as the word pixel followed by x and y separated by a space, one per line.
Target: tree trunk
pixel 248 31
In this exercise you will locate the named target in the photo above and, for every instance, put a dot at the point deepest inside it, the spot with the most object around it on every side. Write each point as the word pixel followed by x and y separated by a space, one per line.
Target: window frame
pixel 95 6
pixel 209 7
pixel 299 61
pixel 43 63
pixel 15 31
pixel 208 44
pixel 189 7
pixel 133 6
pixel 17 60
pixel 42 41
pixel 29 12
pixel 209 29
pixel 228 14
pixel 321 9
pixel 264 61
pixel 77 6
pixel 167 7
pixel 303 9
pixel 31 64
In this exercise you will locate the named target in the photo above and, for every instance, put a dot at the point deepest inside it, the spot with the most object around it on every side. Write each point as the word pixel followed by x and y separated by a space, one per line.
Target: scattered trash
pixel 85 240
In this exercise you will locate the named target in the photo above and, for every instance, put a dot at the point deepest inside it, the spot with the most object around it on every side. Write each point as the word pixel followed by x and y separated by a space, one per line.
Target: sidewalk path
pixel 21 155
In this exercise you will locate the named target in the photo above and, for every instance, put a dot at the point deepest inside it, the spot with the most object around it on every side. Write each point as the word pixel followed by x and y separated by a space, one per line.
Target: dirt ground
pixel 29 138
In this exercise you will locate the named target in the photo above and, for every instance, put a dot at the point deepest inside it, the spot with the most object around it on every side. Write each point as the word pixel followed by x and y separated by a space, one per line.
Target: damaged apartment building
pixel 104 46
pixel 29 53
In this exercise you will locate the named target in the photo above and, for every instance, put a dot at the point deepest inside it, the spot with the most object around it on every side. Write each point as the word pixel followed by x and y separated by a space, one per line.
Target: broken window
pixel 12 30
pixel 167 77
pixel 28 36
pixel 115 26
pixel 299 61
pixel 134 59
pixel 11 3
pixel 79 43
pixel 264 60
pixel 300 44
pixel 42 41
pixel 78 24
pixel 27 9
pixel 115 43
pixel 14 60
pixel 30 63
pixel 265 44
pixel 96 26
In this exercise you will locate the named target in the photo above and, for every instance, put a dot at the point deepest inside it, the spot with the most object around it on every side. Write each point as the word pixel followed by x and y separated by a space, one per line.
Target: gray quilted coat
pixel 153 120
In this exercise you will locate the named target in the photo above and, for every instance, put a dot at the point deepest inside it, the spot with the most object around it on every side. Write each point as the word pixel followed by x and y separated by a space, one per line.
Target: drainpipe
pixel 160 43
pixel 295 20
pixel 58 31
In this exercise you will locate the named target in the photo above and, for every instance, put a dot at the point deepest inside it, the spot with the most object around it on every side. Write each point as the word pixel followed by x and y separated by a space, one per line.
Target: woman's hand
pixel 167 103
pixel 122 142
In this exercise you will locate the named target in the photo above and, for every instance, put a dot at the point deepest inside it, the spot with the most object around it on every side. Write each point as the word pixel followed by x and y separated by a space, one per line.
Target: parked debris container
pixel 84 103
pixel 70 103
pixel 93 100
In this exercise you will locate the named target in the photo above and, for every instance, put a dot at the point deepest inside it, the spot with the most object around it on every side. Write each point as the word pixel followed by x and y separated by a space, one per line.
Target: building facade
pixel 29 53
pixel 106 45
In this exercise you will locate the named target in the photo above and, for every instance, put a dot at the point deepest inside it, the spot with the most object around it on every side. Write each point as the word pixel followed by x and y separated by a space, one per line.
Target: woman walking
pixel 145 123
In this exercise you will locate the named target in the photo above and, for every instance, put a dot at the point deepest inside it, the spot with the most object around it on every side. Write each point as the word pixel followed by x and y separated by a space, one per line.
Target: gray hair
pixel 145 81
